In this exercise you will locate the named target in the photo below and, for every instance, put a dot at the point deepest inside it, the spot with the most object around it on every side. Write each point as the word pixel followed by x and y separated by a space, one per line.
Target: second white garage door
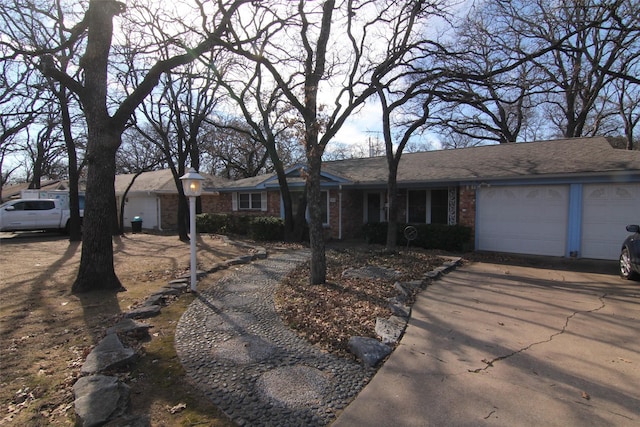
pixel 607 210
pixel 527 219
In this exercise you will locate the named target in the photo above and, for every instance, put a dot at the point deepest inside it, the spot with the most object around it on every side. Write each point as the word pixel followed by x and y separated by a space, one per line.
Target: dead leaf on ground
pixel 178 408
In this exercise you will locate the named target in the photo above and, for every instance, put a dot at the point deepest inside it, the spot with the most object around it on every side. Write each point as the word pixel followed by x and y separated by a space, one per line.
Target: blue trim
pixel 574 226
pixel 477 220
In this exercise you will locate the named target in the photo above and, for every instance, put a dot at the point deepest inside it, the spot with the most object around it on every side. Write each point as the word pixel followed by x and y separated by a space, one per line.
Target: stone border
pixel 371 351
pixel 103 398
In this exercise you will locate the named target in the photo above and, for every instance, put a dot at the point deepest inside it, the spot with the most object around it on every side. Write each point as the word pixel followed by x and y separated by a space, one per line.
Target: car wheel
pixel 626 272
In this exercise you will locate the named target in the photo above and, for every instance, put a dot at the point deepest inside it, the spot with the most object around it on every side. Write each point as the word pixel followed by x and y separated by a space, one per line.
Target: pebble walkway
pixel 235 348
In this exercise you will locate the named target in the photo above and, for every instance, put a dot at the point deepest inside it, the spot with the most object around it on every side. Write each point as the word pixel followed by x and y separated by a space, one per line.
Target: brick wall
pixel 467 207
pixel 223 203
pixel 168 211
pixel 169 208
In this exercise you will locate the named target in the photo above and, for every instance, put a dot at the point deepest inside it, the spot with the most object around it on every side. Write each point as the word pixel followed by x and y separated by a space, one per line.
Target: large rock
pixel 108 354
pixel 131 328
pixel 390 330
pixel 98 399
pixel 368 350
pixel 143 312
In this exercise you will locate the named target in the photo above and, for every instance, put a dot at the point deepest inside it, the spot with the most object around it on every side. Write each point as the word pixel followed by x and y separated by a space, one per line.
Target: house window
pixel 439 207
pixel 417 207
pixel 251 201
pixel 428 206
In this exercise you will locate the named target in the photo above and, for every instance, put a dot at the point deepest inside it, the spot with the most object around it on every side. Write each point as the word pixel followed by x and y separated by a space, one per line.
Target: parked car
pixel 630 254
pixel 34 214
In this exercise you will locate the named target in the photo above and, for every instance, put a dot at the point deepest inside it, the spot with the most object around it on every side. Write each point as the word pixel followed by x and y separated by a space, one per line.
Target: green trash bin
pixel 136 224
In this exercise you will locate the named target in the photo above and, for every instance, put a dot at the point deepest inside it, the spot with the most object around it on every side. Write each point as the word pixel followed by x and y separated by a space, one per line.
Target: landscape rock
pixel 156 299
pixel 244 259
pixel 108 354
pixel 130 328
pixel 143 312
pixel 261 253
pixel 180 285
pixel 98 399
pixel 390 330
pixel 398 308
pixel 402 292
pixel 369 351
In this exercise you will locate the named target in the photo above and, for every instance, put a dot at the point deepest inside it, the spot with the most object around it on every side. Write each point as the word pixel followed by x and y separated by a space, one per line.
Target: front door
pixel 374 208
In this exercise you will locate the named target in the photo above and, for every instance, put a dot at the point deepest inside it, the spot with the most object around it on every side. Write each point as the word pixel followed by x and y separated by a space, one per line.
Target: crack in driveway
pixel 489 363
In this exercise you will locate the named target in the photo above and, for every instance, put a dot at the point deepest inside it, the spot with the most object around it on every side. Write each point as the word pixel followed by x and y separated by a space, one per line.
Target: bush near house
pixel 453 238
pixel 258 228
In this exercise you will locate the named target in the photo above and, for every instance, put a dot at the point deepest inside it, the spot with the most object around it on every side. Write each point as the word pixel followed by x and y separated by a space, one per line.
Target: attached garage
pixel 607 210
pixel 526 219
pixel 145 207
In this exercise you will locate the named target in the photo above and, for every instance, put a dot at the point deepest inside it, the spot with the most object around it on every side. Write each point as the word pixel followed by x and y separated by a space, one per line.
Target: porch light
pixel 192 186
pixel 192 183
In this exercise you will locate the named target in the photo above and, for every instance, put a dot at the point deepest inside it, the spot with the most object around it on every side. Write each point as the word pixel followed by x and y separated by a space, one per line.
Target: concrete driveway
pixel 491 344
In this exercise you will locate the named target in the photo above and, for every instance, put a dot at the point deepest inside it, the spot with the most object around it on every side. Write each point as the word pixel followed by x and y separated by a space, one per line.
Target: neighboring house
pixel 14 191
pixel 154 198
pixel 569 197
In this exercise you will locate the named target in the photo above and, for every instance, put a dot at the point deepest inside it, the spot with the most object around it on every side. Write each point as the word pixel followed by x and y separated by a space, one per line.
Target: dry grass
pixel 46 331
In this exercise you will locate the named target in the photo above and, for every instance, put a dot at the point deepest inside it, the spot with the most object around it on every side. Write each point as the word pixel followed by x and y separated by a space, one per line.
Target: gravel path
pixel 236 349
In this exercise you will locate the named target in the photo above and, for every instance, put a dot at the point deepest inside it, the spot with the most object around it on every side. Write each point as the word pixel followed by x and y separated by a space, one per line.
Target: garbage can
pixel 136 224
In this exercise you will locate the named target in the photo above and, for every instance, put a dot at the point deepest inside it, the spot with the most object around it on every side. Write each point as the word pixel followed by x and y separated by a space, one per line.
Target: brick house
pixel 570 197
pixel 154 198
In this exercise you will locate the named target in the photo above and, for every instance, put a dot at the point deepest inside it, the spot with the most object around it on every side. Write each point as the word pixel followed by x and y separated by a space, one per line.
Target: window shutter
pixel 234 201
pixel 263 201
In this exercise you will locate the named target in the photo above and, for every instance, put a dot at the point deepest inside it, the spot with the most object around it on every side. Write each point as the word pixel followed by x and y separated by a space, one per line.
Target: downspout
pixel 159 212
pixel 340 212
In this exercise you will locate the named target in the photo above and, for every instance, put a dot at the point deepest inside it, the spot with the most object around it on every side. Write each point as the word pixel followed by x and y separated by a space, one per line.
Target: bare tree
pixel 45 147
pixel 404 93
pixel 232 151
pixel 568 53
pixel 326 49
pixel 628 109
pixel 591 48
pixel 18 107
pixel 107 117
pixel 177 113
pixel 271 123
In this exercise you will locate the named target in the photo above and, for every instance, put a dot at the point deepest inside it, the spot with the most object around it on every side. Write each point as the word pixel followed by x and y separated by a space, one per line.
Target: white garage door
pixel 142 206
pixel 607 210
pixel 523 219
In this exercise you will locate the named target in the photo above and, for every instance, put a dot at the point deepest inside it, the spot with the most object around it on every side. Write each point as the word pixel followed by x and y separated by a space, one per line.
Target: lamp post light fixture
pixel 192 187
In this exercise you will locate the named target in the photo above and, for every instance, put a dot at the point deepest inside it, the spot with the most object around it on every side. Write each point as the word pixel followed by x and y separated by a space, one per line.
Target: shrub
pixel 213 223
pixel 258 228
pixel 430 236
pixel 266 229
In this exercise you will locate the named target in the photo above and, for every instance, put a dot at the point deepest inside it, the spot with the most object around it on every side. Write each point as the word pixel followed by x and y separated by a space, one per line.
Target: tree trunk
pixel 183 217
pixel 392 199
pixel 96 263
pixel 318 273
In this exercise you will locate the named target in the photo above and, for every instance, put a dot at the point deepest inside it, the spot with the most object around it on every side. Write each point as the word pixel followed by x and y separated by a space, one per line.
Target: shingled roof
pixel 160 181
pixel 563 158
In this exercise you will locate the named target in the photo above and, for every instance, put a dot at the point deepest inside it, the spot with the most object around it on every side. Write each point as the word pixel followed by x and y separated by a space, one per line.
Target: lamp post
pixel 192 186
